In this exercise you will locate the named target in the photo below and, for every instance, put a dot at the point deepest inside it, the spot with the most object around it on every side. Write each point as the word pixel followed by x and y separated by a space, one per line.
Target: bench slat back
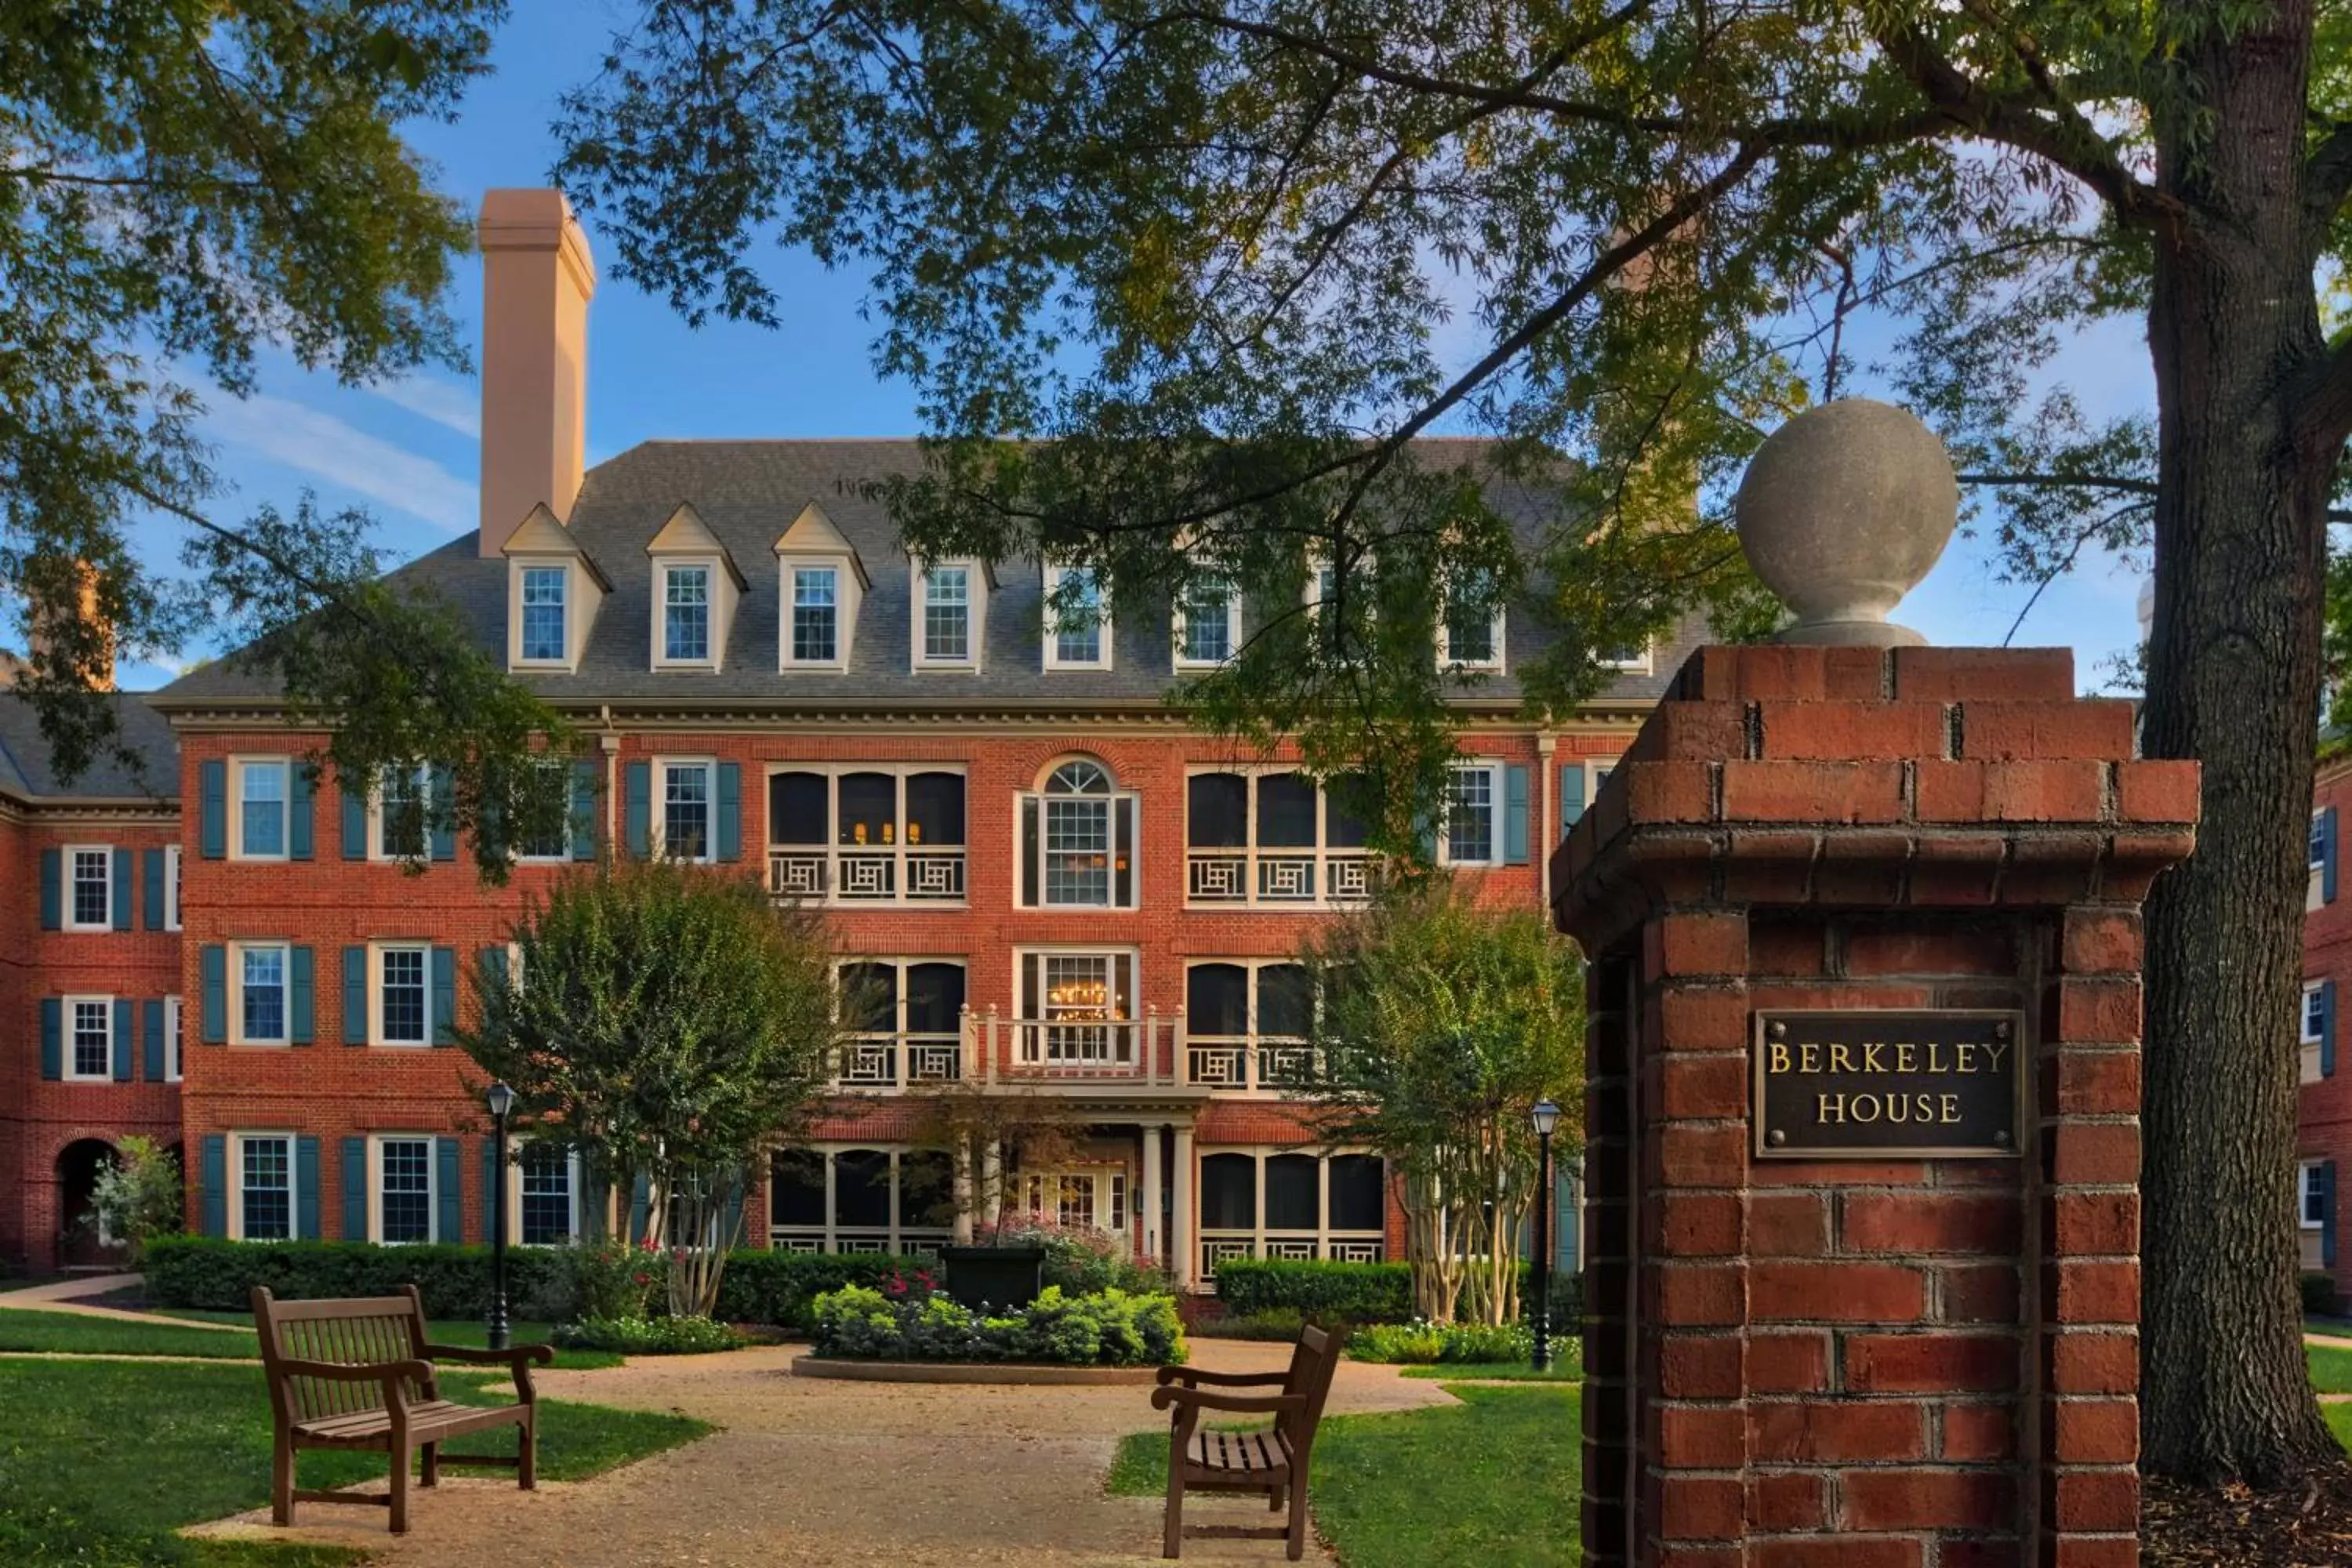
pixel 355 1331
pixel 1313 1362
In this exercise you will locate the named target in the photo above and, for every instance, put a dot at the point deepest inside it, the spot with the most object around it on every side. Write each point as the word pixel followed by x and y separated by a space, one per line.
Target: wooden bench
pixel 1273 1461
pixel 359 1374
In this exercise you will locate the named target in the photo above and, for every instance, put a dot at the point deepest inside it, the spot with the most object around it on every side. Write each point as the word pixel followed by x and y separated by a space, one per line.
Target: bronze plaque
pixel 1871 1085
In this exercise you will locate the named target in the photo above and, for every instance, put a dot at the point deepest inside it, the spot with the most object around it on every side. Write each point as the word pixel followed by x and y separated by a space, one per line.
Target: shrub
pixel 217 1275
pixel 1356 1293
pixel 1108 1328
pixel 2319 1300
pixel 1421 1342
pixel 1081 1259
pixel 609 1279
pixel 139 1197
pixel 650 1336
pixel 781 1288
pixel 1281 1323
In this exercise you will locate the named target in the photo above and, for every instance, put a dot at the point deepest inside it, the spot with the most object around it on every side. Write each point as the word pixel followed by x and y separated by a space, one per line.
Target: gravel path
pixel 812 1471
pixel 65 1295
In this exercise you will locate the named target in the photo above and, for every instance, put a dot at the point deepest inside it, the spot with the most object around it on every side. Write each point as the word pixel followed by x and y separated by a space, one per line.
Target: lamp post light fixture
pixel 500 1100
pixel 1546 1117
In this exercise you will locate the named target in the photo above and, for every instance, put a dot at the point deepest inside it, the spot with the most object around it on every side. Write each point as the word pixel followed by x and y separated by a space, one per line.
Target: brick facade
pixel 2324 1133
pixel 1898 1363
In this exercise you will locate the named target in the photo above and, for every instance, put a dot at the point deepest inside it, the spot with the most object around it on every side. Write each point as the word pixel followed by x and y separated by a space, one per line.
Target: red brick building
pixel 2324 1111
pixel 1058 888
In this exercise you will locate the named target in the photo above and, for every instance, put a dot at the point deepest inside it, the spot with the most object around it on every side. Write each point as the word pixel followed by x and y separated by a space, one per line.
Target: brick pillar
pixel 1872 1362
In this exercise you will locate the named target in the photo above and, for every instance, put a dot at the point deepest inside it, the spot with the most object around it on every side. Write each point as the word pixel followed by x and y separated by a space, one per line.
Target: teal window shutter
pixel 355 1215
pixel 53 891
pixel 211 1185
pixel 125 1021
pixel 306 1188
pixel 301 784
pixel 443 788
pixel 449 1221
pixel 731 810
pixel 122 889
pixel 640 1202
pixel 445 995
pixel 2328 856
pixel 53 1038
pixel 151 878
pixel 300 995
pixel 355 998
pixel 584 810
pixel 355 826
pixel 212 964
pixel 150 1037
pixel 1515 814
pixel 2327 1028
pixel 1571 795
pixel 637 806
pixel 212 814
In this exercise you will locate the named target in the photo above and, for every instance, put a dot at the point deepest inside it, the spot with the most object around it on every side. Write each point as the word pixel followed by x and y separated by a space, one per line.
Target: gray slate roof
pixel 748 492
pixel 28 769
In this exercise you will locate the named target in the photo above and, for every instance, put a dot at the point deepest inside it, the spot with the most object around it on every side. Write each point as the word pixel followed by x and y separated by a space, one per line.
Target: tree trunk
pixel 2233 682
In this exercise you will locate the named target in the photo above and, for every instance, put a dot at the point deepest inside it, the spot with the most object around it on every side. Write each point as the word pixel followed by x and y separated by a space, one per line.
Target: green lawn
pixel 1494 1480
pixel 21 1331
pixel 1571 1371
pixel 99 1461
pixel 2331 1369
pixel 443 1331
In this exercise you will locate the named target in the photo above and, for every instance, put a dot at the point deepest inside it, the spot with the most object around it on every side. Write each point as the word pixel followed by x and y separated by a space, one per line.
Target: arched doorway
pixel 80 1244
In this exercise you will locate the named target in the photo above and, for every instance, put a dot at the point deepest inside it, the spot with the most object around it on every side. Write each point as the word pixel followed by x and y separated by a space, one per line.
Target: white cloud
pixel 458 407
pixel 324 447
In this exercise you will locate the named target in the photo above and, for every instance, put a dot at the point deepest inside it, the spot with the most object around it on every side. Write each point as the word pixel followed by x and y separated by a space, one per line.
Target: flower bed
pixel 905 1321
pixel 1421 1342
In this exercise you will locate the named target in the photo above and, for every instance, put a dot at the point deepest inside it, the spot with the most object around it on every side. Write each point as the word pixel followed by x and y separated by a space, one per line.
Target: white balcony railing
pixel 988 1048
pixel 1336 1247
pixel 1278 878
pixel 868 874
pixel 899 1061
pixel 1224 1062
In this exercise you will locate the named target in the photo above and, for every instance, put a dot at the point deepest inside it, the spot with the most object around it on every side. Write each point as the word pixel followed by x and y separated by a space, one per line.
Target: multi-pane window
pixel 914 1004
pixel 947 615
pixel 90 1037
pixel 1211 613
pixel 543 1173
pixel 261 808
pixel 2311 1195
pixel 401 996
pixel 1079 1008
pixel 1290 1203
pixel 2318 840
pixel 405 1189
pixel 544 633
pixel 92 903
pixel 816 615
pixel 1075 623
pixel 403 801
pixel 1470 811
pixel 686 811
pixel 261 988
pixel 1078 841
pixel 860 1200
pixel 1473 622
pixel 264 1188
pixel 1271 838
pixel 866 833
pixel 686 614
pixel 172 887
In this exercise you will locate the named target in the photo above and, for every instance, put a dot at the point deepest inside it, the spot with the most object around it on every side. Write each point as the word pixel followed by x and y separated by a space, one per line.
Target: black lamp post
pixel 1546 1116
pixel 502 1102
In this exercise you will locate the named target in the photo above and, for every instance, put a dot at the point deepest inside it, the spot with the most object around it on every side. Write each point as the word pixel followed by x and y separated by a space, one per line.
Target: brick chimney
pixel 85 631
pixel 537 279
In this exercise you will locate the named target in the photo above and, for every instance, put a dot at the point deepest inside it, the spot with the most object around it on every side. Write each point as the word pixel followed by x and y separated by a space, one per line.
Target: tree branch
pixel 2121 482
pixel 2327 176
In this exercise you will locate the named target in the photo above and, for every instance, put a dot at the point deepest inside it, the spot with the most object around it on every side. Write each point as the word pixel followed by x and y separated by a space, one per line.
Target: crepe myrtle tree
pixel 1178 283
pixel 672 1025
pixel 1439 1021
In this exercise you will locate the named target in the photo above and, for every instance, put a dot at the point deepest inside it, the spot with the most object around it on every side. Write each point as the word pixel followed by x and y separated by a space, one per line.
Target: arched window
pixel 1080 777
pixel 1079 840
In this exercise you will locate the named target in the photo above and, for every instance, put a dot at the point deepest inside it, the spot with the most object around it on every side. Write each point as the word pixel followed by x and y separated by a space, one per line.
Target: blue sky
pixel 408 453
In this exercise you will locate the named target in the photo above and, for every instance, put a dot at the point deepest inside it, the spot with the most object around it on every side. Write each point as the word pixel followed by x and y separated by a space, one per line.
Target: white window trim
pixel 1446 660
pixel 375 805
pixel 171 887
pixel 234 1179
pixel 237 952
pixel 832 852
pixel 237 768
pixel 975 613
pixel 1136 1020
pixel 1326 857
pixel 1638 665
pixel 714 612
pixel 901 1036
pixel 376 1140
pixel 1113 1191
pixel 2303 1171
pixel 1494 770
pixel 66 1005
pixel 2319 854
pixel 173 1065
pixel 844 605
pixel 376 1035
pixel 1037 792
pixel 1233 630
pixel 562 662
pixel 513 1196
pixel 657 808
pixel 68 854
pixel 2304 1030
pixel 1054 577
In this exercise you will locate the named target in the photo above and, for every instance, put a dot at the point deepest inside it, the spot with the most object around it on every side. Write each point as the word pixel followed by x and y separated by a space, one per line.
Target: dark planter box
pixel 1000 1276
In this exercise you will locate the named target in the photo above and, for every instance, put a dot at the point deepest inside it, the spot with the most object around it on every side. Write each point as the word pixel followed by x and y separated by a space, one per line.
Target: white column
pixel 1152 1222
pixel 1181 1249
pixel 963 1193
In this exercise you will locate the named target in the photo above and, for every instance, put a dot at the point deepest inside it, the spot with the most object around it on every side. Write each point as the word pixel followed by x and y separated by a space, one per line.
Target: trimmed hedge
pixel 219 1276
pixel 781 1288
pixel 1356 1293
pixel 1107 1327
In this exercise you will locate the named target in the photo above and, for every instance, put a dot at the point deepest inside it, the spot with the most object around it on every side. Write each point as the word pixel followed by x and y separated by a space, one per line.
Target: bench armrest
pixel 543 1354
pixel 1191 1377
pixel 1195 1399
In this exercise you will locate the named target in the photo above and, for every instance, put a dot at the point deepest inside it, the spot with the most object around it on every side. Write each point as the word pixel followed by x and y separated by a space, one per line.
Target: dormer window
pixel 820 582
pixel 545 629
pixel 1077 626
pixel 1208 623
pixel 816 615
pixel 950 604
pixel 686 614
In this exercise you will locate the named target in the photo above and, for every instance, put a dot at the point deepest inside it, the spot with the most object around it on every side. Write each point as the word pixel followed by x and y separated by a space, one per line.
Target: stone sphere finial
pixel 1843 510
